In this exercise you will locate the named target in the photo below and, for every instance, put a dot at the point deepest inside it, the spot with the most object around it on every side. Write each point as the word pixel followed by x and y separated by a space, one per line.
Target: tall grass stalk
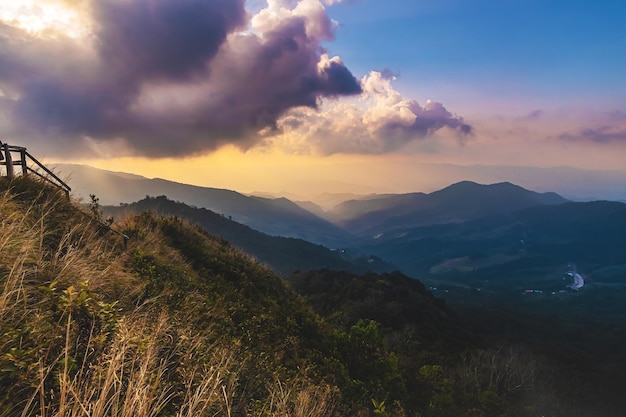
pixel 299 398
pixel 128 380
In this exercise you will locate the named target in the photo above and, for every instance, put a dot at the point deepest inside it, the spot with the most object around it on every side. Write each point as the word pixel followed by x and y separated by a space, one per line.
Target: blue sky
pixel 340 95
pixel 539 52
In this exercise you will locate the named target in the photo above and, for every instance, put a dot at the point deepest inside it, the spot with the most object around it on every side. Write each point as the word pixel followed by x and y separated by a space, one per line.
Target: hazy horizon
pixel 589 185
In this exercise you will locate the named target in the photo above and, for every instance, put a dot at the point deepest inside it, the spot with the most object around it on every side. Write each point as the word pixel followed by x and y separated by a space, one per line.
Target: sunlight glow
pixel 40 17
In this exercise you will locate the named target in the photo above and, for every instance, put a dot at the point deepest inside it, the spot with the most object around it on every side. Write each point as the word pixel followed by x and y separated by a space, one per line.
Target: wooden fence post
pixel 23 161
pixel 8 160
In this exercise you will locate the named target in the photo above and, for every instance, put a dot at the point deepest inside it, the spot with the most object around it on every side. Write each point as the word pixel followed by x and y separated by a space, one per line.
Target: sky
pixel 308 96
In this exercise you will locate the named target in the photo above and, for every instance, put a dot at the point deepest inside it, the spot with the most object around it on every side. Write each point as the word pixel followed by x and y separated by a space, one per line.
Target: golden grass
pixel 74 343
pixel 131 378
pixel 299 398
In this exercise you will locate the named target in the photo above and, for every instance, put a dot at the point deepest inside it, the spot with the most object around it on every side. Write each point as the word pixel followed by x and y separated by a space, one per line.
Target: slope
pixel 283 255
pixel 179 322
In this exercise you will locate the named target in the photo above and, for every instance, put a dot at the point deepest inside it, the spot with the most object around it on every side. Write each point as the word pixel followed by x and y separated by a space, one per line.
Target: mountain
pixel 277 217
pixel 457 203
pixel 329 200
pixel 283 255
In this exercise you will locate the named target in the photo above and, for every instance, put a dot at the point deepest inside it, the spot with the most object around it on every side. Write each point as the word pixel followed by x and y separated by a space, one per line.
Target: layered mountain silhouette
pixel 457 203
pixel 276 217
pixel 360 218
pixel 284 255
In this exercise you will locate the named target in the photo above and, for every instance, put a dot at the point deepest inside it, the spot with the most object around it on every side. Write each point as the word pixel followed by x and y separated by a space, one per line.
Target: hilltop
pixel 179 321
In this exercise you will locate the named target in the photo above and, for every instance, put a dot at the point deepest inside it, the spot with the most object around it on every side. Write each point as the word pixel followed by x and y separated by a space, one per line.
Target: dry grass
pixel 133 378
pixel 299 398
pixel 74 343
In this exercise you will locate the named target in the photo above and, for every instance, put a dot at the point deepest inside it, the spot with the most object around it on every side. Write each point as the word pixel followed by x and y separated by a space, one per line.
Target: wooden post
pixel 8 161
pixel 23 161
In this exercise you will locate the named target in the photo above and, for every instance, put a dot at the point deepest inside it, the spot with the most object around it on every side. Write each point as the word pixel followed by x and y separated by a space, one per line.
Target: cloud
pixel 594 126
pixel 170 40
pixel 534 115
pixel 600 135
pixel 169 77
pixel 381 121
pixel 162 78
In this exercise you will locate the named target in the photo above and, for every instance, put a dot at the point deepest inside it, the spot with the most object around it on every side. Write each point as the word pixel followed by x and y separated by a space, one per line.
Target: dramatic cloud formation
pixel 381 121
pixel 183 77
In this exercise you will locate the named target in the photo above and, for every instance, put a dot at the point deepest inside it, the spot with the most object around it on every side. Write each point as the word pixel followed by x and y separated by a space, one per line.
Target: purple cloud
pixel 172 40
pixel 163 78
pixel 224 85
pixel 383 121
pixel 601 135
pixel 434 116
pixel 534 115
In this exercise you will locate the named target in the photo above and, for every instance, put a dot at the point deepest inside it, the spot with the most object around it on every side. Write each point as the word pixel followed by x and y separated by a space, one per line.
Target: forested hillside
pixel 283 254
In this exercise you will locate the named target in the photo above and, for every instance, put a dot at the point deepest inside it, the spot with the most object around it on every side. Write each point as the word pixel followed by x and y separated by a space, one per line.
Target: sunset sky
pixel 309 96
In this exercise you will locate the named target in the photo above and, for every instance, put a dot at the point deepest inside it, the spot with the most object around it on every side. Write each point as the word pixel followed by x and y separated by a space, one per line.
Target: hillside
pixel 393 300
pixel 276 217
pixel 179 322
pixel 283 255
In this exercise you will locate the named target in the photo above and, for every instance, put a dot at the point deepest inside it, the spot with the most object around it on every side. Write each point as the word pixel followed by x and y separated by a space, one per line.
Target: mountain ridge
pixel 283 254
pixel 462 201
pixel 361 218
pixel 257 212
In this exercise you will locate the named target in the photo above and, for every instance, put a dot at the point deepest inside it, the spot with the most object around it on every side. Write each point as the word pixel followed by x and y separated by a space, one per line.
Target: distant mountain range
pixel 276 217
pixel 368 216
pixel 463 201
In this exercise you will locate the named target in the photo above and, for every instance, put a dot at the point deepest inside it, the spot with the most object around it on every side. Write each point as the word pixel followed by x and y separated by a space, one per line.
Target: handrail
pixel 108 227
pixel 52 178
pixel 61 182
pixel 24 154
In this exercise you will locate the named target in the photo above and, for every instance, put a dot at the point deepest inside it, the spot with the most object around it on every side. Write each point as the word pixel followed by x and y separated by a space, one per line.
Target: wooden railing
pixel 8 160
pixel 10 163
